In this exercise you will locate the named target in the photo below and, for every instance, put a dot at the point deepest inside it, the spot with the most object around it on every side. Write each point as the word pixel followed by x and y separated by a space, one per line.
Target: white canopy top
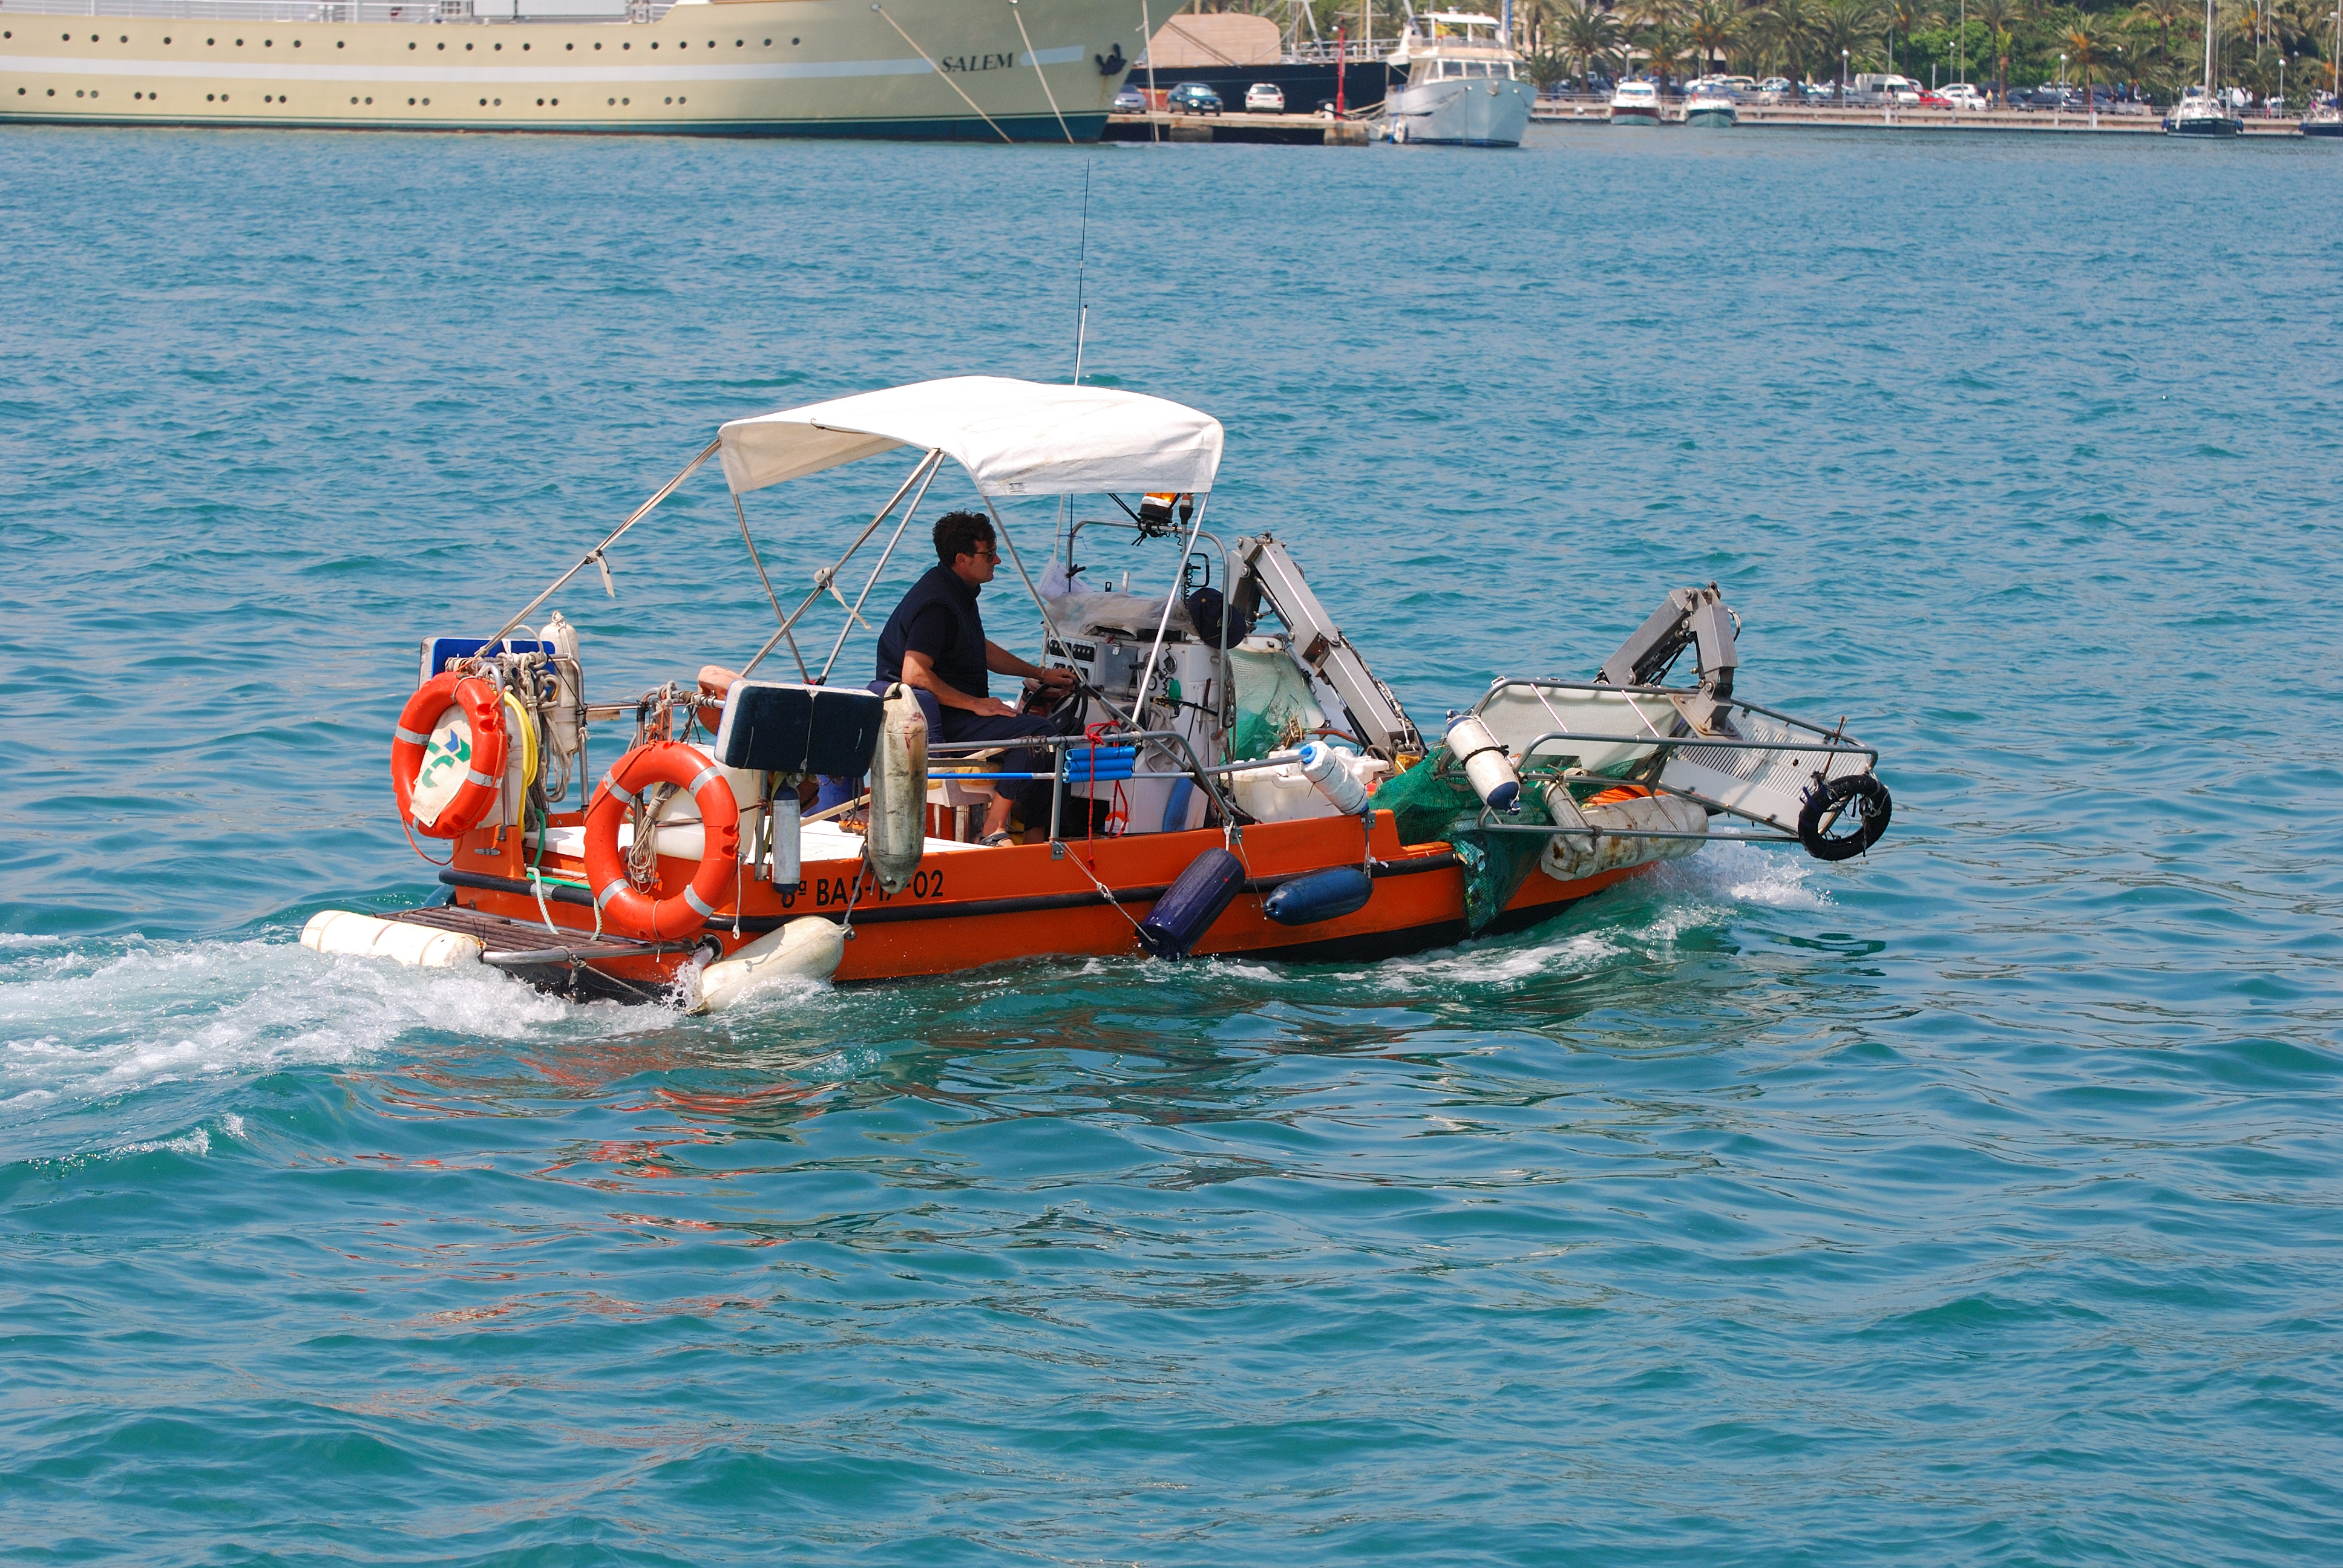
pixel 1014 438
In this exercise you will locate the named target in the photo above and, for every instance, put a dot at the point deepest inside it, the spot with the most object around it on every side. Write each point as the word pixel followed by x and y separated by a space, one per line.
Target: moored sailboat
pixel 2201 111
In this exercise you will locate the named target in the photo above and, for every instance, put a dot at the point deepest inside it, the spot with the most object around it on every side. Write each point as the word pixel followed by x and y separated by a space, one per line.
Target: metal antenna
pixel 1081 325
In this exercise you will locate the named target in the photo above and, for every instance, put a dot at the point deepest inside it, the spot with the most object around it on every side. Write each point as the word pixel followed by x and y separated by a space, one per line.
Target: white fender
pixel 341 932
pixel 1568 857
pixel 808 948
pixel 898 792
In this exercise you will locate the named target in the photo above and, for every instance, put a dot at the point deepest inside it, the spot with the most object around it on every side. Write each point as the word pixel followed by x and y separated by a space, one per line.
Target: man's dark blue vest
pixel 960 666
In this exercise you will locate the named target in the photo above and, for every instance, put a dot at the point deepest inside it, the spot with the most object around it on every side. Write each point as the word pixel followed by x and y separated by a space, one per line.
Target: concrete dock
pixel 1295 130
pixel 2130 120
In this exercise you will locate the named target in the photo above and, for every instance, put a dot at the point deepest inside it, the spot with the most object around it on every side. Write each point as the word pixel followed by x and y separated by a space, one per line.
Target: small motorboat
pixel 1635 104
pixel 1711 108
pixel 1225 774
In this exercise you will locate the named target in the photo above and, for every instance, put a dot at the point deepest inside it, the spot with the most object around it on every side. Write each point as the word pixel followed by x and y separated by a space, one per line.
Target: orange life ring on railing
pixel 484 776
pixel 626 907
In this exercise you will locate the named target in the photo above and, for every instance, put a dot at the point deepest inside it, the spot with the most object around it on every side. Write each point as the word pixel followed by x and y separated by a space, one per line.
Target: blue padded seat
pixel 772 726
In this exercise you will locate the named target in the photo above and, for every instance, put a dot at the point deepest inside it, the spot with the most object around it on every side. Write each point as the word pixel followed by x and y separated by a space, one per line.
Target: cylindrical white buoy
pixel 566 722
pixel 1322 765
pixel 898 792
pixel 342 932
pixel 1492 777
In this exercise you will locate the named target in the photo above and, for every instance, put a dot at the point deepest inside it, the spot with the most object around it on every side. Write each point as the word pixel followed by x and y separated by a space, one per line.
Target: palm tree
pixel 1906 17
pixel 1786 30
pixel 2001 18
pixel 2163 15
pixel 1664 50
pixel 1587 33
pixel 2086 42
pixel 1847 29
pixel 1716 30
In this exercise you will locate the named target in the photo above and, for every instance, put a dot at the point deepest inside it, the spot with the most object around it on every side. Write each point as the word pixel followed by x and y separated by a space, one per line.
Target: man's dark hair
pixel 958 533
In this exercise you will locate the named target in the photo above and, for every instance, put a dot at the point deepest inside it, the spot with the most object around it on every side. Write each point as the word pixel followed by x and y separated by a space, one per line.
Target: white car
pixel 1964 95
pixel 1264 98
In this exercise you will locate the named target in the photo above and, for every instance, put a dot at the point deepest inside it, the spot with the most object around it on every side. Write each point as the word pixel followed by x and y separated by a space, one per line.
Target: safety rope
pixel 1104 891
pixel 940 72
pixel 1028 37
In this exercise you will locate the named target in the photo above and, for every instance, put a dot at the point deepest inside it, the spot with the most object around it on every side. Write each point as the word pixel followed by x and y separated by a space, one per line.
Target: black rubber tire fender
pixel 1858 795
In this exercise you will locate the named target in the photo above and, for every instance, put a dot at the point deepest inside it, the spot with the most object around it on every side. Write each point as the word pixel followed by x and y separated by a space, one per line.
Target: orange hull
pixel 972 907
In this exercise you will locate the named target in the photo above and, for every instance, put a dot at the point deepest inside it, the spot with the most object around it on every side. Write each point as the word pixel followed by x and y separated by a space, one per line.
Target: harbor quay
pixel 2129 119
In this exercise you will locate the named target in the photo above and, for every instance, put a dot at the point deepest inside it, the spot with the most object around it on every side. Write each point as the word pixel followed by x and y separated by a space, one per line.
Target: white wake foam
pixel 75 1021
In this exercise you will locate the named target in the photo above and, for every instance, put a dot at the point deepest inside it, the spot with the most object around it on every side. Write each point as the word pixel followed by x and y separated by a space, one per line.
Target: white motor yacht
pixel 1635 104
pixel 1464 87
pixel 1711 106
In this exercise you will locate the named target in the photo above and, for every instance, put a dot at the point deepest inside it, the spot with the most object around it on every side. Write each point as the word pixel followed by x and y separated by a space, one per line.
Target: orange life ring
pixel 628 908
pixel 483 777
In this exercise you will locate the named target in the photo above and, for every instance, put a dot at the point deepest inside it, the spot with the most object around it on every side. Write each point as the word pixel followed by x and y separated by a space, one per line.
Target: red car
pixel 1932 99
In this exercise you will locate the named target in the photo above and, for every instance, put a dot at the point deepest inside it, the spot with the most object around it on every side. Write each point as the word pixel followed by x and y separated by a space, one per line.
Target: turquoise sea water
pixel 1975 1203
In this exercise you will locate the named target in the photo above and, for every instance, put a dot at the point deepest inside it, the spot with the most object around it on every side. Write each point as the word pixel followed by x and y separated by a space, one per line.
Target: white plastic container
pixel 1287 794
pixel 1486 768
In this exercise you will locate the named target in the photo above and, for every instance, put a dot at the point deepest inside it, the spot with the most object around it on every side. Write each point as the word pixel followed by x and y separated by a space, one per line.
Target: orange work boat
pixel 1226 775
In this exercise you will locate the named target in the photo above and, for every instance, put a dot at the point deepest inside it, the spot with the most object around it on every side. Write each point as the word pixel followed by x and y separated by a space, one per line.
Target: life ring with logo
pixel 483 765
pixel 628 908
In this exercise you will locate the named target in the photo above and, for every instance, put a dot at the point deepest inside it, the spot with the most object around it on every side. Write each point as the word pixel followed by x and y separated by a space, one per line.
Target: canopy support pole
pixel 822 579
pixel 1172 596
pixel 855 613
pixel 770 594
pixel 595 554
pixel 1049 626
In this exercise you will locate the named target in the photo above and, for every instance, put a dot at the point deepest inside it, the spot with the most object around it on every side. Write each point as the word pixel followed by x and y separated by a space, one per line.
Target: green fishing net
pixel 1430 803
pixel 1274 707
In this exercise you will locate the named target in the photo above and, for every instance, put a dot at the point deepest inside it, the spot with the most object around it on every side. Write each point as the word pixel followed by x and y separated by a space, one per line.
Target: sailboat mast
pixel 2209 47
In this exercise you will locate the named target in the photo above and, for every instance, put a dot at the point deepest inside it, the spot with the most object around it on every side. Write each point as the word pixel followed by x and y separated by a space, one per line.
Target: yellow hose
pixel 525 728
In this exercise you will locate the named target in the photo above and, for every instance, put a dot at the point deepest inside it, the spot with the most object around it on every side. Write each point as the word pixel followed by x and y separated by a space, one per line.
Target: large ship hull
pixel 916 68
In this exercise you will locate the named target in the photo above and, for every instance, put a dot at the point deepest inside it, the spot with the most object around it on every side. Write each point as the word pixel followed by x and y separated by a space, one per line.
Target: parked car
pixel 1774 85
pixel 1130 101
pixel 1964 95
pixel 1264 98
pixel 1932 99
pixel 1193 98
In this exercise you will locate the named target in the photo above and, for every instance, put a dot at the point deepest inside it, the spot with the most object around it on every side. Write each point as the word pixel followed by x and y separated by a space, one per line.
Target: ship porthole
pixel 500 103
pixel 353 100
pixel 793 41
pixel 369 102
pixel 411 103
pixel 662 100
pixel 557 102
pixel 679 100
pixel 612 101
pixel 540 103
pixel 427 103
pixel 410 47
pixel 484 103
pixel 77 91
